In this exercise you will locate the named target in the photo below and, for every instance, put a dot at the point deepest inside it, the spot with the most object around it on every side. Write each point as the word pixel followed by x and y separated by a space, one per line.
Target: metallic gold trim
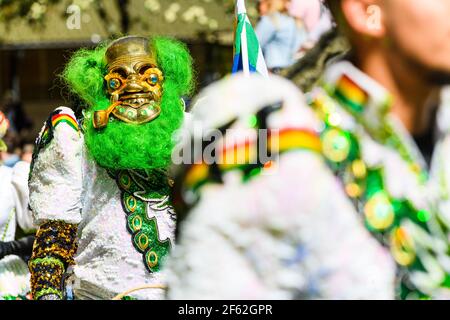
pixel 146 241
pixel 153 263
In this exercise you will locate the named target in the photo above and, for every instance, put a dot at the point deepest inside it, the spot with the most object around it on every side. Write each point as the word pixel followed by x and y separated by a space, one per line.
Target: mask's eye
pixel 153 79
pixel 114 83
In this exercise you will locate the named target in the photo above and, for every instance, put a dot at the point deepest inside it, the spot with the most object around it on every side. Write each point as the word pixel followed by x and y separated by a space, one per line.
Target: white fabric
pixel 240 7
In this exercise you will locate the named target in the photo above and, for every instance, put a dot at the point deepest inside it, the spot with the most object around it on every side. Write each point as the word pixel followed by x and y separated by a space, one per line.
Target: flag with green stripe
pixel 248 56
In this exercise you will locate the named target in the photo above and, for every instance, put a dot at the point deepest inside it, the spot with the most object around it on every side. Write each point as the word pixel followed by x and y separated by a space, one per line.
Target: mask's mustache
pixel 101 117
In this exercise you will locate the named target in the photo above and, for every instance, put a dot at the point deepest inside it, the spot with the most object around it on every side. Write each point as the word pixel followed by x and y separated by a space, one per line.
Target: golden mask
pixel 134 83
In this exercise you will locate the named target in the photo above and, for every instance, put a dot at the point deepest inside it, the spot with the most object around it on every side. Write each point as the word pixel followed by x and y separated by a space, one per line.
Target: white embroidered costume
pixel 67 185
pixel 287 231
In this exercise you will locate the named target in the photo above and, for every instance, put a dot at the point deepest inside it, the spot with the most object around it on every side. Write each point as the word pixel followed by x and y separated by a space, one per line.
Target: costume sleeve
pixel 55 200
pixel 19 182
pixel 56 176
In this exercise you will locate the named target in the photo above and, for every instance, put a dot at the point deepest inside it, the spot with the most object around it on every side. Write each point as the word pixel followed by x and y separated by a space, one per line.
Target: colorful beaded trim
pixel 46 277
pixel 53 251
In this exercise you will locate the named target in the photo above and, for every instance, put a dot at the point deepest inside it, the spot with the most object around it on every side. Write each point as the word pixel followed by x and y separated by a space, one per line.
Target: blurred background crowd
pixel 37 37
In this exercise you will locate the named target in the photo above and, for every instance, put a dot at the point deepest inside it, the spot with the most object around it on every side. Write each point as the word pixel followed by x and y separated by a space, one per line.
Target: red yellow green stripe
pixel 243 154
pixel 294 139
pixel 45 133
pixel 60 118
pixel 196 174
pixel 351 94
pixel 237 155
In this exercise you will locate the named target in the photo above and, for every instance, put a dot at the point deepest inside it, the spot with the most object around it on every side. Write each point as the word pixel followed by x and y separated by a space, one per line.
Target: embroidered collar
pixel 363 97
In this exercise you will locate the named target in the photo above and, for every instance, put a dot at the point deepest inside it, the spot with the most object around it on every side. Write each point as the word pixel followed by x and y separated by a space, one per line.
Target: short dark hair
pixel 336 11
pixel 333 6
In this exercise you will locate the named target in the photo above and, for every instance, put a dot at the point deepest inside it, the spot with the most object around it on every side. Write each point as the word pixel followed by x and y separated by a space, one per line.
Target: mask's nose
pixel 133 84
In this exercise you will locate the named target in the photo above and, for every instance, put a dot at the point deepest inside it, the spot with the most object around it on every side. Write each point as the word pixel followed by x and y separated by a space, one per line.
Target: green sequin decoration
pixel 124 180
pixel 139 188
pixel 130 203
pixel 423 215
pixel 142 240
pixel 136 223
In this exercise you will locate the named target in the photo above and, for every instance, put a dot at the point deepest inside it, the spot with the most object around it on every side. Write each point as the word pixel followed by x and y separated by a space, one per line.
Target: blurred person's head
pixel 308 11
pixel 263 7
pixel 6 143
pixel 8 97
pixel 274 6
pixel 27 152
pixel 404 45
pixel 413 33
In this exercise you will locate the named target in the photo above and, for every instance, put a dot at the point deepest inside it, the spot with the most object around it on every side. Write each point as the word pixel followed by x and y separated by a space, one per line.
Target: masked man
pixel 377 129
pixel 98 187
pixel 14 275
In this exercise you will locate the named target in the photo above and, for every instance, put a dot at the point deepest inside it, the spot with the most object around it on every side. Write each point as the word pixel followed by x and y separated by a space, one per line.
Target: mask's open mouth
pixel 137 108
pixel 136 100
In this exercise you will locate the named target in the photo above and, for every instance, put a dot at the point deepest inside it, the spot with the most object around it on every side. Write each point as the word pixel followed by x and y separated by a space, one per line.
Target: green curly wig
pixel 127 146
